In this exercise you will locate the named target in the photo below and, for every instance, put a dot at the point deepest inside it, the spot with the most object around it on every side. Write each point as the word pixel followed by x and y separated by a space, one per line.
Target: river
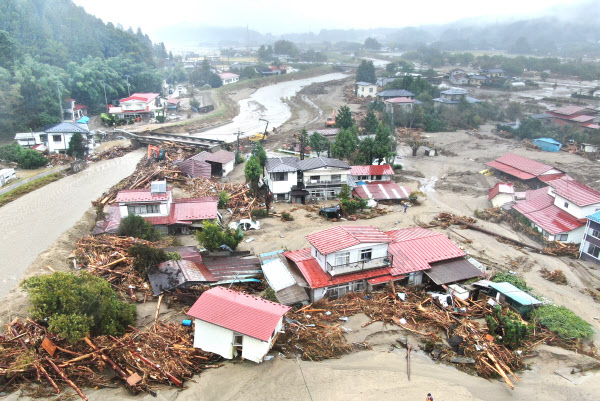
pixel 265 103
pixel 30 224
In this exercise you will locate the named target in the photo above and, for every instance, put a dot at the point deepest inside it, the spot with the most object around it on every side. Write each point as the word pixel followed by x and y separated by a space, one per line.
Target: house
pixel 365 89
pixel 368 173
pixel 458 77
pixel 530 171
pixel 589 147
pixel 590 245
pixel 343 259
pixel 58 136
pixel 228 77
pixel 221 162
pixel 577 115
pixel 392 93
pixel 382 190
pixel 501 194
pixel 297 181
pixel 172 104
pixel 477 80
pixel 32 140
pixel 157 206
pixel 454 96
pixel 381 82
pixel 405 103
pixel 547 144
pixel 328 133
pixel 231 323
pixel 144 105
pixel 508 294
pixel 289 289
pixel 494 72
pixel 72 111
pixel 194 168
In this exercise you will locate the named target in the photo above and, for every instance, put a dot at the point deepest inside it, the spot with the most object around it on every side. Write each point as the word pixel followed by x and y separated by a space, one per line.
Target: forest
pixel 52 50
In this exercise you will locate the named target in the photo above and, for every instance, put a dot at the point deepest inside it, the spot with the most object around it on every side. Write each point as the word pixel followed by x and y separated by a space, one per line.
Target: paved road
pixel 10 187
pixel 30 224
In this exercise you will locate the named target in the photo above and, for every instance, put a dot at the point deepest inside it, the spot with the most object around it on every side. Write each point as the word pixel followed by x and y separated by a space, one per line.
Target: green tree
pixel 31 159
pixel 253 171
pixel 146 258
pixel 213 236
pixel 248 72
pixel 214 80
pixel 318 143
pixel 372 44
pixel 303 141
pixel 366 72
pixel 391 68
pixel 370 123
pixel 343 118
pixel 137 226
pixel 223 199
pixel 77 147
pixel 366 151
pixel 384 144
pixel 77 305
pixel 285 47
pixel 260 153
pixel 345 143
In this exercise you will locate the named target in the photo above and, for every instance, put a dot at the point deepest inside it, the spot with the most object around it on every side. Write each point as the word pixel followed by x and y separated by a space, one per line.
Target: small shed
pixel 507 293
pixel 229 323
pixel 429 151
pixel 547 144
pixel 589 148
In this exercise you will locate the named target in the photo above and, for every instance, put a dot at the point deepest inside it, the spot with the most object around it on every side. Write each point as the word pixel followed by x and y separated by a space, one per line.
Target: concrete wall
pixel 281 187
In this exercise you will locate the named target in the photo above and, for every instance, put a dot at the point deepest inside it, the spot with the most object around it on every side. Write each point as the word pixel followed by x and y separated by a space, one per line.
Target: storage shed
pixel 509 294
pixel 547 144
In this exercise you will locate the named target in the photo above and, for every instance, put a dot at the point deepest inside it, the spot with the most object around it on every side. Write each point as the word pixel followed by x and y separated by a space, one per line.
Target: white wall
pixel 574 236
pixel 363 91
pixel 573 209
pixel 317 294
pixel 378 250
pixel 325 173
pixel 281 187
pixel 228 167
pixel 501 199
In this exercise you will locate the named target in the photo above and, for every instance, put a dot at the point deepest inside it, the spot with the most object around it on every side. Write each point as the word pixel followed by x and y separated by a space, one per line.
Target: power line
pixel 303 378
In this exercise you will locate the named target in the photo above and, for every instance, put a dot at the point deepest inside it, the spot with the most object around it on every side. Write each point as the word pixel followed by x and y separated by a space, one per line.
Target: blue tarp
pixel 83 120
pixel 594 217
pixel 547 144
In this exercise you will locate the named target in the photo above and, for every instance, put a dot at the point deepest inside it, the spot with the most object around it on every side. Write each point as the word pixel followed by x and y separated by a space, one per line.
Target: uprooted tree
pixel 414 139
pixel 213 237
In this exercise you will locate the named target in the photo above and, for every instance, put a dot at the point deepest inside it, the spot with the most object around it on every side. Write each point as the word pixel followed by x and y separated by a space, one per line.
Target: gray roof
pixel 68 127
pixel 319 162
pixel 454 91
pixel 483 77
pixel 385 81
pixel 364 83
pixel 396 93
pixel 541 116
pixel 473 100
pixel 282 164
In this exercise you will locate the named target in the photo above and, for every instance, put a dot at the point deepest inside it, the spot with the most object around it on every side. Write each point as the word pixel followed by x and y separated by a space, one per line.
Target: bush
pixel 146 258
pixel 563 322
pixel 213 236
pixel 223 199
pixel 258 213
pixel 30 159
pixel 511 278
pixel 350 206
pixel 136 226
pixel 507 327
pixel 10 153
pixel 239 158
pixel 285 216
pixel 77 305
pixel 160 119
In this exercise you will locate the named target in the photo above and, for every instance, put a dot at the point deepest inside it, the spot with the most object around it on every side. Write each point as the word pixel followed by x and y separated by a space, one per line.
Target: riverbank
pixel 27 187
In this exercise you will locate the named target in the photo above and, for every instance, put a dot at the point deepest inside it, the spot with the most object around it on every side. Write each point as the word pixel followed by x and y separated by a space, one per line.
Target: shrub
pixel 136 226
pixel 160 119
pixel 507 327
pixel 147 258
pixel 223 199
pixel 563 322
pixel 10 153
pixel 510 278
pixel 239 158
pixel 285 216
pixel 30 159
pixel 258 213
pixel 350 206
pixel 213 236
pixel 77 305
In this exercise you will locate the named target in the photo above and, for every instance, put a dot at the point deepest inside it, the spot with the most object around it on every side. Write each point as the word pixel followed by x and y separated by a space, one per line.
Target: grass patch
pixel 29 187
pixel 563 322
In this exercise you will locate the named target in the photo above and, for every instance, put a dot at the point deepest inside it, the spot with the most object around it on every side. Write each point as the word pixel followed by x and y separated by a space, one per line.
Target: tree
pixel 414 140
pixel 253 171
pixel 77 148
pixel 214 80
pixel 318 143
pixel 366 149
pixel 77 305
pixel 345 143
pixel 248 72
pixel 285 47
pixel 136 226
pixel 260 153
pixel 384 144
pixel 30 159
pixel 304 142
pixel 369 123
pixel 372 44
pixel 514 111
pixel 344 119
pixel 391 68
pixel 146 258
pixel 213 236
pixel 366 72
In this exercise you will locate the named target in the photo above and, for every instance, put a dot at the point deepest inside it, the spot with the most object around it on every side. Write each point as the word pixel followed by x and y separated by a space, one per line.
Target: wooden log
pixel 47 376
pixel 67 380
pixel 160 297
pixel 408 361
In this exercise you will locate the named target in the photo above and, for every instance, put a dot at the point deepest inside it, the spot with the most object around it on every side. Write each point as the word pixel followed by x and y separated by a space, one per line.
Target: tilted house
pixel 231 323
pixel 590 245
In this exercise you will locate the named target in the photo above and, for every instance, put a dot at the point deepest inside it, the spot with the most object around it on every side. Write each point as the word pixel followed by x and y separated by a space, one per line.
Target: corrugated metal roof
pixel 576 192
pixel 277 275
pixel 523 164
pixel 510 170
pixel 569 110
pixel 395 93
pixel 228 268
pixel 455 91
pixel 141 195
pixel 513 292
pixel 341 237
pixel 320 162
pixel 67 127
pixel 144 97
pixel 282 164
pixel 582 119
pixel 222 156
pixel 383 169
pixel 546 140
pixel 326 131
pixel 365 83
pixel 545 214
pixel 537 203
pixel 245 314
pixel 194 168
pixel 191 209
pixel 551 177
pixel 400 100
pixel 382 190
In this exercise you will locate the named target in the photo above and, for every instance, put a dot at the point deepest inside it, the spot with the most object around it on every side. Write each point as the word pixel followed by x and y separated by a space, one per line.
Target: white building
pixel 137 105
pixel 368 173
pixel 231 323
pixel 501 194
pixel 366 89
pixel 56 138
pixel 228 77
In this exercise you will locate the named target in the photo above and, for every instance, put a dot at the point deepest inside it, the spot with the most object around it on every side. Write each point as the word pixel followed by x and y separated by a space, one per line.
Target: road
pixel 17 184
pixel 33 222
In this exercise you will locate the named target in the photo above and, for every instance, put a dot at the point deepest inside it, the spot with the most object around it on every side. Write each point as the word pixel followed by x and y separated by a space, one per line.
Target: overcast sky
pixel 305 15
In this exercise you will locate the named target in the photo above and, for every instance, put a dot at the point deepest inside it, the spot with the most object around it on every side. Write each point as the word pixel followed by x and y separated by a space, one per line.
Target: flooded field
pixel 31 223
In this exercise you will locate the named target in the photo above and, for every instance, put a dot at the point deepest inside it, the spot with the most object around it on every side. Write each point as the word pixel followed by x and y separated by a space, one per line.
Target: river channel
pixel 30 224
pixel 266 103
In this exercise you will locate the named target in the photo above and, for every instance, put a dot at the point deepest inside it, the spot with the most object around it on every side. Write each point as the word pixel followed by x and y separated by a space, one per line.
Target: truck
pixel 7 174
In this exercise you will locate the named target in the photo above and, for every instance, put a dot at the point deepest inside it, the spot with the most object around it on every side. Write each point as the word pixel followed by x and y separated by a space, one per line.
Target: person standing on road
pixel 405 207
pixel 429 397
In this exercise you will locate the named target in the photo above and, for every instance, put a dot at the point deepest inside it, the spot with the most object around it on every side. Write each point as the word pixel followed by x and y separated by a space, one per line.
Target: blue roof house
pixel 506 293
pixel 547 144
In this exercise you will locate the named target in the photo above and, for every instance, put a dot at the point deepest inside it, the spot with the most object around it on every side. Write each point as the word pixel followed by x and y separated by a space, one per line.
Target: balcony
pixel 353 267
pixel 325 183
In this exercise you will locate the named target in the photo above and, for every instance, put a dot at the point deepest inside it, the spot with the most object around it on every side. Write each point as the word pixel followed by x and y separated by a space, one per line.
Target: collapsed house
pixel 343 259
pixel 231 323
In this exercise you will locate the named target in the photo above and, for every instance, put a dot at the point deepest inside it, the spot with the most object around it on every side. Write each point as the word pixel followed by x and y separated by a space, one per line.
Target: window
pixel 280 197
pixel 566 205
pixel 238 338
pixel 370 90
pixel 143 209
pixel 279 176
pixel 342 258
pixel 561 237
pixel 377 178
pixel 366 254
pixel 336 177
pixel 315 178
pixel 594 250
pixel 363 177
pixel 57 138
pixel 596 233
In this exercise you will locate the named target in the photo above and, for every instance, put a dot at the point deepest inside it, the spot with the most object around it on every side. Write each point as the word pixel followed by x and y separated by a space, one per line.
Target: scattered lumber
pixel 556 276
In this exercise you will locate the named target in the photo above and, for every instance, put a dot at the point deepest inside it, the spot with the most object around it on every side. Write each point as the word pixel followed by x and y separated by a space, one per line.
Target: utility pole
pixel 128 92
pixel 105 98
pixel 62 114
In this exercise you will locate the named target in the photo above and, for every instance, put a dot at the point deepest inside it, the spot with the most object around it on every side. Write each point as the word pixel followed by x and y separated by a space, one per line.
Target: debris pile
pixel 241 203
pixel 139 359
pixel 111 153
pixel 556 276
pixel 58 159
pixel 445 220
pixel 556 248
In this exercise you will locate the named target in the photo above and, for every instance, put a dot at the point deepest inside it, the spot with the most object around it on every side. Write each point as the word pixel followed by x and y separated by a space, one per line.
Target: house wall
pixel 228 167
pixel 501 199
pixel 378 250
pixel 366 91
pixel 574 236
pixel 573 209
pixel 254 349
pixel 370 178
pixel 282 187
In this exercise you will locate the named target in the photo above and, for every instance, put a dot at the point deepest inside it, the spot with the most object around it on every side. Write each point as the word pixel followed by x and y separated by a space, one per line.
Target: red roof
pixel 569 110
pixel 144 97
pixel 173 100
pixel 341 237
pixel 186 211
pixel 191 271
pixel 382 190
pixel 518 166
pixel 80 107
pixel 222 156
pixel 501 187
pixel 537 203
pixel 227 75
pixel 531 194
pixel 141 195
pixel 194 168
pixel 236 311
pixel 592 126
pixel 383 169
pixel 551 177
pixel 553 219
pixel 576 192
pixel 582 118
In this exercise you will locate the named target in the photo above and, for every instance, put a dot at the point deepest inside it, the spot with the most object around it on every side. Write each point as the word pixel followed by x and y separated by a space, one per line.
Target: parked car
pixel 332 212
pixel 246 224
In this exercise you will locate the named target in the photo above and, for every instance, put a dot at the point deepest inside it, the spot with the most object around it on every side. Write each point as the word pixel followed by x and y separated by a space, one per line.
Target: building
pixel 138 105
pixel 501 194
pixel 589 147
pixel 298 181
pixel 590 245
pixel 381 191
pixel 72 111
pixel 368 173
pixel 228 77
pixel 508 294
pixel 343 259
pixel 477 80
pixel 547 144
pixel 365 89
pixel 289 289
pixel 175 274
pixel 392 93
pixel 458 77
pixel 404 103
pixel 56 138
pixel 381 82
pixel 157 206
pixel 530 171
pixel 231 323
pixel 455 96
pixel 221 162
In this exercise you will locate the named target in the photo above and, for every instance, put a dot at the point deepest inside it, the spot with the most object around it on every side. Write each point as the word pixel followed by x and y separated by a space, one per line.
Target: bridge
pixel 183 140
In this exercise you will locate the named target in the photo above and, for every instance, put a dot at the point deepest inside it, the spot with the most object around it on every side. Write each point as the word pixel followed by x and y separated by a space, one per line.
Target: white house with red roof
pixel 137 105
pixel 501 194
pixel 157 206
pixel 368 173
pixel 525 169
pixel 343 259
pixel 230 323
pixel 228 77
